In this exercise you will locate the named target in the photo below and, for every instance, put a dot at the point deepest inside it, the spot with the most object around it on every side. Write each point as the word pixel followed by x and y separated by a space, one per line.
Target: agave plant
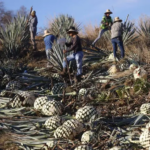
pixel 61 24
pixel 128 33
pixel 144 28
pixel 15 36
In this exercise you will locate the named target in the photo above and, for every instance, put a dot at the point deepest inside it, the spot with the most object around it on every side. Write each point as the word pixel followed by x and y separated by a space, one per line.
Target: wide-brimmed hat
pixel 72 29
pixel 108 11
pixel 46 32
pixel 33 12
pixel 117 19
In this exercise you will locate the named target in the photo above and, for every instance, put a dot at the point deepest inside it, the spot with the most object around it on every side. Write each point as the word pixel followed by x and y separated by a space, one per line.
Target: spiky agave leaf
pixel 57 57
pixel 15 36
pixel 61 23
pixel 144 28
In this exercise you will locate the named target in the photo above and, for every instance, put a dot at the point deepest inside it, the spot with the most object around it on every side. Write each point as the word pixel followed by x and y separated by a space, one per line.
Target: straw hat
pixel 72 29
pixel 46 32
pixel 108 11
pixel 117 19
pixel 33 12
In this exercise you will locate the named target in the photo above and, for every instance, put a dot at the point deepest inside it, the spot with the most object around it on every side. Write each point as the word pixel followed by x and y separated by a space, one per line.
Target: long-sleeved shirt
pixel 33 21
pixel 74 45
pixel 48 40
pixel 117 29
pixel 105 19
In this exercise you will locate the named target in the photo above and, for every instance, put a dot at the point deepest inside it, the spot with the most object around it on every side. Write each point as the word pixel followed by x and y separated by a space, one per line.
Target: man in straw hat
pixel 105 25
pixel 48 41
pixel 116 36
pixel 75 46
pixel 33 21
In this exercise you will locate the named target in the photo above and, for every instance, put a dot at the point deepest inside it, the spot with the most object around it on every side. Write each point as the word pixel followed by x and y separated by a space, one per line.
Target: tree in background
pixel 5 15
pixel 22 11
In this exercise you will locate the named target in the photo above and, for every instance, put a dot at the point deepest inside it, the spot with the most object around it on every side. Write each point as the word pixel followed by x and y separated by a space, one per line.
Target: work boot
pixel 92 45
pixel 63 72
pixel 77 78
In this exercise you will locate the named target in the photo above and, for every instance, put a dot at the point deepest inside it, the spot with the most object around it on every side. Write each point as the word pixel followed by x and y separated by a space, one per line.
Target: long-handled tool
pixel 126 20
pixel 68 69
pixel 28 16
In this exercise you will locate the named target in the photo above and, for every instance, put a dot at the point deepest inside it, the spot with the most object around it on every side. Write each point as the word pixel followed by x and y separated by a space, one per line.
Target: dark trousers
pixel 118 41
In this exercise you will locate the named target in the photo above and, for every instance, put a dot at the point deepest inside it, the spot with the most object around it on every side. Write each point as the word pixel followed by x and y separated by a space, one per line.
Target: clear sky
pixel 84 11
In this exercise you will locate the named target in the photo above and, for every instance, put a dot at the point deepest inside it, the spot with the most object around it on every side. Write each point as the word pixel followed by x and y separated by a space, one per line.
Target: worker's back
pixel 48 40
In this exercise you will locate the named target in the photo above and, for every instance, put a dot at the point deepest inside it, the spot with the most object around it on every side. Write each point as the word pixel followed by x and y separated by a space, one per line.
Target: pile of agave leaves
pixel 102 112
pixel 117 100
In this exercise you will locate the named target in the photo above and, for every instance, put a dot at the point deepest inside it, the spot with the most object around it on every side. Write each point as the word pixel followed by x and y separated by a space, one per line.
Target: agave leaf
pixel 15 36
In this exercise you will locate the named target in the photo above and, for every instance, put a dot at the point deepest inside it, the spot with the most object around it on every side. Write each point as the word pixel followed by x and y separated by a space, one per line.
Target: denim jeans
pixel 48 51
pixel 119 42
pixel 75 56
pixel 101 32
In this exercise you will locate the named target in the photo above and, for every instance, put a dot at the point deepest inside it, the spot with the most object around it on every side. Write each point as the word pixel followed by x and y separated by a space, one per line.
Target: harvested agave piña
pixel 85 113
pixel 52 108
pixel 24 98
pixel 89 137
pixel 16 103
pixel 145 108
pixel 69 129
pixel 145 138
pixel 50 144
pixel 84 147
pixel 58 88
pixel 40 101
pixel 53 122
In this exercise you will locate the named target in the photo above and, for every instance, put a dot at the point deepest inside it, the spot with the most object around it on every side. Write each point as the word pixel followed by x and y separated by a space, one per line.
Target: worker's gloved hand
pixel 106 23
pixel 64 51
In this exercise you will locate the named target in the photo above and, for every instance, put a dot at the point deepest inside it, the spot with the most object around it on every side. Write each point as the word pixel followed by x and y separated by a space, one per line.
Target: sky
pixel 83 11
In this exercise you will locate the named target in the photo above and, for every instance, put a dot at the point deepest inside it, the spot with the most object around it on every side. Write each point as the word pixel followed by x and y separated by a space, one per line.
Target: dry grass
pixel 4 138
pixel 144 21
pixel 40 43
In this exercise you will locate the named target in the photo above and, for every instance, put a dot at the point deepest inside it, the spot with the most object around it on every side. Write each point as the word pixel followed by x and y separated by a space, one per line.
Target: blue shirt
pixel 48 40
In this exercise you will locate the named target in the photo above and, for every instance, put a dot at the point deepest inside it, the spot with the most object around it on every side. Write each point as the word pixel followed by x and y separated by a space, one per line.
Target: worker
pixel 33 21
pixel 75 46
pixel 105 25
pixel 48 41
pixel 116 36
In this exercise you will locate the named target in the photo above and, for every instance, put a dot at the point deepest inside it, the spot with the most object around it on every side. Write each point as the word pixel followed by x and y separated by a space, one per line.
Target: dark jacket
pixel 75 44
